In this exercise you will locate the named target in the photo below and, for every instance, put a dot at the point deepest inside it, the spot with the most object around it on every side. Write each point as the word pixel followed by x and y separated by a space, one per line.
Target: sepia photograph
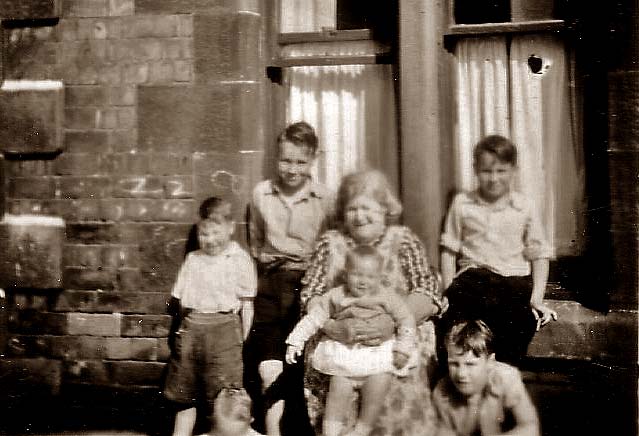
pixel 319 218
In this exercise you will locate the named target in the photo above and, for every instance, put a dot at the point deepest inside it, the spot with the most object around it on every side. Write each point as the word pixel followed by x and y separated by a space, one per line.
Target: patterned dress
pixel 407 409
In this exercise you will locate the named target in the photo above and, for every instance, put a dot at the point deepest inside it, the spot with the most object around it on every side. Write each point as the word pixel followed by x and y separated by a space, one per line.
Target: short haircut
pixel 500 146
pixel 301 134
pixel 363 252
pixel 369 183
pixel 216 209
pixel 233 404
pixel 473 336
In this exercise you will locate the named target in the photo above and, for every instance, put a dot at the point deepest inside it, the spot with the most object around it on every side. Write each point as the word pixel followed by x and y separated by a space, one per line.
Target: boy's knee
pixel 269 371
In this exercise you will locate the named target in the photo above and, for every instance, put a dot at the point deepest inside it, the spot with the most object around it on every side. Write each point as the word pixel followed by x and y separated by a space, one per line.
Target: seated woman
pixel 367 207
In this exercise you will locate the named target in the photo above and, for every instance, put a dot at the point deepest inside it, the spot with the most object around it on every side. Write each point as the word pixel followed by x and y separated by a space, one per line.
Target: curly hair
pixel 370 183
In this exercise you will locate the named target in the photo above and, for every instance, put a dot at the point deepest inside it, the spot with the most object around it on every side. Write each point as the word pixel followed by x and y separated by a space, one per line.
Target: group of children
pixel 494 267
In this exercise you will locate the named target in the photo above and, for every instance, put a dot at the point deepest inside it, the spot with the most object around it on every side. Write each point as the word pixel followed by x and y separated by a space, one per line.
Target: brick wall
pixel 161 109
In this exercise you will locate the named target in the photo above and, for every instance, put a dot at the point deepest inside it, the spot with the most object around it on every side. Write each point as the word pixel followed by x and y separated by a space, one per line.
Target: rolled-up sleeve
pixel 246 276
pixel 535 242
pixel 451 237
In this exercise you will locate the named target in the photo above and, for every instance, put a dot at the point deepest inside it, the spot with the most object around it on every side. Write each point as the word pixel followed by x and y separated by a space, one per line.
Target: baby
pixel 351 367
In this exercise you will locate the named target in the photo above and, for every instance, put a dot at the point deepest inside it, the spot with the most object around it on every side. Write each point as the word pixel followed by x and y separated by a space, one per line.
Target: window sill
pixel 327 35
pixel 457 31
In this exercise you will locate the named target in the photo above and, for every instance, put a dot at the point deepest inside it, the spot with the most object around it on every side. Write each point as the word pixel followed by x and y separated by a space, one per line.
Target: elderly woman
pixel 368 210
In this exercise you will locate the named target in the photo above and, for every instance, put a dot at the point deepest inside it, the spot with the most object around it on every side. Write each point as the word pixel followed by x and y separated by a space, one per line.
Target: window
pixel 336 59
pixel 518 72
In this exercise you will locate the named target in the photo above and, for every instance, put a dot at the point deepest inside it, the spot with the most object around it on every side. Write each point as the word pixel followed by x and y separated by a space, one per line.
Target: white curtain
pixel 352 107
pixel 541 116
pixel 482 99
pixel 307 15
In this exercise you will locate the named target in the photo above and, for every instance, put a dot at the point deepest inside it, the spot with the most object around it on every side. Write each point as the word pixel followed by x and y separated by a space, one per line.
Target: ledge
pixel 584 334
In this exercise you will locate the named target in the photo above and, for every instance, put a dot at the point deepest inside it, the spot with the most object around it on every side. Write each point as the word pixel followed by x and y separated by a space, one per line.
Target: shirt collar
pixel 512 199
pixel 310 189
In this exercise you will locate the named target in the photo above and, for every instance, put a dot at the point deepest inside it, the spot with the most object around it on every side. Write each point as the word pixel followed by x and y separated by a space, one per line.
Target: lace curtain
pixel 524 90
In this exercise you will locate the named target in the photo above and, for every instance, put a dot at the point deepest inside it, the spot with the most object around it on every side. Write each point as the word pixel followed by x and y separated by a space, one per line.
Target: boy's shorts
pixel 207 358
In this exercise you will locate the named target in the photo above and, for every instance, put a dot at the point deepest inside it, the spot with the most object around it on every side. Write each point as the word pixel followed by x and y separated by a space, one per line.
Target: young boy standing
pixel 286 216
pixel 481 396
pixel 215 288
pixel 494 259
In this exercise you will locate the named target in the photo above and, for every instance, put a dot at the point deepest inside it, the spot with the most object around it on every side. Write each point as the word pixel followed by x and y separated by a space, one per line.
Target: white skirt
pixel 334 358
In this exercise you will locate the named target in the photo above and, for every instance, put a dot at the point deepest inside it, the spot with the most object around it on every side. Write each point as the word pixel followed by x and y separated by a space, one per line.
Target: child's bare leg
pixel 373 393
pixel 337 401
pixel 184 422
pixel 269 371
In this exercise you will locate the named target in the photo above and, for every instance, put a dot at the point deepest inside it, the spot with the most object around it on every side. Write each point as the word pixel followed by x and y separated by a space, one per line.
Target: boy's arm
pixel 246 314
pixel 525 417
pixel 448 265
pixel 543 313
pixel 255 227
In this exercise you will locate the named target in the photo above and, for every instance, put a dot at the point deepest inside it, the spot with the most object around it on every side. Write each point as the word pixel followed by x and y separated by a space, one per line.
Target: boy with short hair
pixel 232 414
pixel 494 259
pixel 287 214
pixel 481 396
pixel 215 288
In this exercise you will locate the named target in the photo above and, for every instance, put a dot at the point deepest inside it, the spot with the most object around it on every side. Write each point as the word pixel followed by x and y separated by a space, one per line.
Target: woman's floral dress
pixel 407 409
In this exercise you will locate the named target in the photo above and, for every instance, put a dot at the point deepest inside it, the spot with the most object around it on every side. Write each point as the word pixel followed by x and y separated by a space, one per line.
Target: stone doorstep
pixel 584 334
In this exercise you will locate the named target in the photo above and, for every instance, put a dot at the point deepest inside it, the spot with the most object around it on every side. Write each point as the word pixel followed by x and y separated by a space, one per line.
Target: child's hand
pixel 292 353
pixel 543 314
pixel 399 359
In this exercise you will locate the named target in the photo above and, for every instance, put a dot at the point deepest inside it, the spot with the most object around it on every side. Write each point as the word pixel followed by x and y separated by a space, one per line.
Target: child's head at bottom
pixel 231 412
pixel 469 349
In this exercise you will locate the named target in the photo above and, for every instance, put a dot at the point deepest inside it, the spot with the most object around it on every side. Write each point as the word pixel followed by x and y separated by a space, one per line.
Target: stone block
pixel 137 49
pixel 152 326
pixel 178 187
pixel 129 279
pixel 138 187
pixel 91 29
pixel 161 72
pixel 170 163
pixel 92 324
pixel 135 73
pixel 32 322
pixel 28 346
pixel 177 48
pixel 32 207
pixel 121 256
pixel 150 26
pixel 76 301
pixel 32 187
pixel 122 95
pixel 85 8
pixel 78 164
pixel 106 118
pixel 164 352
pixel 121 7
pixel 81 209
pixel 183 71
pixel 78 347
pixel 86 141
pixel 226 47
pixel 133 302
pixel 136 373
pixel 92 233
pixel 31 116
pixel 180 6
pixel 178 211
pixel 179 118
pixel 19 373
pixel 81 255
pixel 31 10
pixel 90 95
pixel 124 140
pixel 584 334
pixel 85 371
pixel 32 251
pixel 27 168
pixel 89 278
pixel 84 187
pixel 81 118
pixel 131 349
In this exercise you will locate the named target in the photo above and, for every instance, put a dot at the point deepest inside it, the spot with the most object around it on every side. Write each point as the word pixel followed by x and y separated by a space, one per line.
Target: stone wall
pixel 161 109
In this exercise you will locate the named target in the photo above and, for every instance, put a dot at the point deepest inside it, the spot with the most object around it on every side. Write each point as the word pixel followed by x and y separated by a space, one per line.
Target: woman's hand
pixel 371 332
